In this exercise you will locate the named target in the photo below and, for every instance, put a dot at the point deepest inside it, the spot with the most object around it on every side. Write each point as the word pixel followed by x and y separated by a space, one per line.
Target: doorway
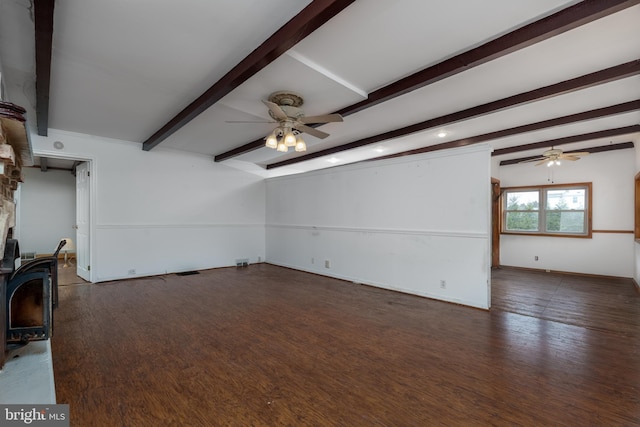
pixel 79 219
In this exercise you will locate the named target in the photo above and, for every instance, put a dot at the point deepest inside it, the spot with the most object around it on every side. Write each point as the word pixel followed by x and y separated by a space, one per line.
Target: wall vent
pixel 25 256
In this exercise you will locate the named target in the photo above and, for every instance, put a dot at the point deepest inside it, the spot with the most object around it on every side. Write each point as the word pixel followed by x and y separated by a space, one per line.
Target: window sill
pixel 574 236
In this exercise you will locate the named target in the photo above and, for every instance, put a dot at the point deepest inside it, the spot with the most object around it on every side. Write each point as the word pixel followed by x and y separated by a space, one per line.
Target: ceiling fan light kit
pixel 288 138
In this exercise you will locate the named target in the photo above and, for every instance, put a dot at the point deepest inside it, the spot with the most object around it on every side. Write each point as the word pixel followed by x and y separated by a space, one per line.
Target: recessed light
pixel 333 160
pixel 442 134
pixel 379 149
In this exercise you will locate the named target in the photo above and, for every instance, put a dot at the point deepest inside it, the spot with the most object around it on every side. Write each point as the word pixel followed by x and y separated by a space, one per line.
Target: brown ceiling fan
pixel 554 156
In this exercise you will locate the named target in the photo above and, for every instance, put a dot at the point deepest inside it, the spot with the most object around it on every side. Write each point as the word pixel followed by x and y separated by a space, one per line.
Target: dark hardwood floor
pixel 608 304
pixel 269 346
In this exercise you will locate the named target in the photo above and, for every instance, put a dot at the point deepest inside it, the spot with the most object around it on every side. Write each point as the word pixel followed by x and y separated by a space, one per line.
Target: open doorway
pixel 54 202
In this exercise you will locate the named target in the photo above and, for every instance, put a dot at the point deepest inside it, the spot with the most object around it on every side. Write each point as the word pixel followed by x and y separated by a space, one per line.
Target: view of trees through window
pixel 523 211
pixel 546 210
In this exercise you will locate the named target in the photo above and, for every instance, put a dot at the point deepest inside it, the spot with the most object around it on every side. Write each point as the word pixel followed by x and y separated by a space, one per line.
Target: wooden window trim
pixel 636 227
pixel 589 208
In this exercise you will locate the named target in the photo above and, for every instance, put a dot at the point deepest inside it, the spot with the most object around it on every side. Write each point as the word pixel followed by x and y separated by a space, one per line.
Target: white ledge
pixel 27 375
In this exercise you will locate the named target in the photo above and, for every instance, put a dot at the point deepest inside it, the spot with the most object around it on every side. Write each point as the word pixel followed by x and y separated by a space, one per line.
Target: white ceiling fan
pixel 284 108
pixel 554 156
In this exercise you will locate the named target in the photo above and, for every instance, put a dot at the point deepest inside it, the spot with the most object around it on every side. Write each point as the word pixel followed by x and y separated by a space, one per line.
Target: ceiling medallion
pixel 288 98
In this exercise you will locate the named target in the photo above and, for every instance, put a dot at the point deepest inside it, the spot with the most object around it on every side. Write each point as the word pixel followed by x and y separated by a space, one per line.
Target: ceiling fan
pixel 553 156
pixel 284 108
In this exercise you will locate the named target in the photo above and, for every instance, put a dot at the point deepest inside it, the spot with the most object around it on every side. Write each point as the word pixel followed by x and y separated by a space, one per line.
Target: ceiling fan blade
pixel 569 157
pixel 542 162
pixel 311 131
pixel 326 118
pixel 276 110
pixel 249 121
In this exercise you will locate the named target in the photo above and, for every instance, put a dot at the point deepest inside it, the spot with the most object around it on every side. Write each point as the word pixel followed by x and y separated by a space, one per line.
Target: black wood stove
pixel 31 296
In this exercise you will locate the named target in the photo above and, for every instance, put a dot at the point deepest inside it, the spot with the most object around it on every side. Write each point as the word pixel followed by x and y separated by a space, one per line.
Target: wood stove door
pixel 29 307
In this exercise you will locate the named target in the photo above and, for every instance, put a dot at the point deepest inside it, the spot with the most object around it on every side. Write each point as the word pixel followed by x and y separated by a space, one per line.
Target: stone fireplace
pixel 15 150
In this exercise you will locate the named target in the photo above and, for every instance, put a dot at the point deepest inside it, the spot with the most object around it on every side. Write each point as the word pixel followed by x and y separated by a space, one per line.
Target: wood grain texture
pixel 265 345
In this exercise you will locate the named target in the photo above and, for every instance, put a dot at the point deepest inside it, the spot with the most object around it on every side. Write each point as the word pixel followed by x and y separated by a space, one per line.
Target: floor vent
pixel 187 273
pixel 242 262
pixel 25 256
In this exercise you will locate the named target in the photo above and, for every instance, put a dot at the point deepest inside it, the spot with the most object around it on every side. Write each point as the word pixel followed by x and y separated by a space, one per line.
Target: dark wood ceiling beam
pixel 607 133
pixel 304 23
pixel 583 82
pixel 543 29
pixel 612 110
pixel 43 23
pixel 599 149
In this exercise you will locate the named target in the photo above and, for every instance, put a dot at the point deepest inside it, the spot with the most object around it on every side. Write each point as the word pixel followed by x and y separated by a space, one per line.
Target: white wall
pixel 636 245
pixel 402 224
pixel 47 207
pixel 610 254
pixel 163 211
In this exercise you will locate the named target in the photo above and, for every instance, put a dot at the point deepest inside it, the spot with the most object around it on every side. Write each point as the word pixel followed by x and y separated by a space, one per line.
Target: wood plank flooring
pixel 269 346
pixel 608 304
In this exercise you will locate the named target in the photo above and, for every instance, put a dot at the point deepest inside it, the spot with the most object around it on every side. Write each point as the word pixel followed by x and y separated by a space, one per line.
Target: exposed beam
pixel 43 22
pixel 543 29
pixel 51 168
pixel 599 149
pixel 624 107
pixel 304 23
pixel 588 80
pixel 568 140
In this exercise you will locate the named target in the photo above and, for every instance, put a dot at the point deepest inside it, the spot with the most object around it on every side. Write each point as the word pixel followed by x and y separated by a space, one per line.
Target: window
pixel 551 210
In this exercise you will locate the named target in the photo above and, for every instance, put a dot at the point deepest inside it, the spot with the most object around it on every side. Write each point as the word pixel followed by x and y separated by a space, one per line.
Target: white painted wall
pixel 163 211
pixel 636 246
pixel 47 209
pixel 402 224
pixel 609 254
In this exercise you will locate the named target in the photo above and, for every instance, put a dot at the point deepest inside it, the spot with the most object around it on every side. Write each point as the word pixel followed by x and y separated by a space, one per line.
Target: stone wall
pixel 14 144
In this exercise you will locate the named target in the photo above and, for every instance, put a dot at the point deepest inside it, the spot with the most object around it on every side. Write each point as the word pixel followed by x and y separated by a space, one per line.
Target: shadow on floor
pixel 67 275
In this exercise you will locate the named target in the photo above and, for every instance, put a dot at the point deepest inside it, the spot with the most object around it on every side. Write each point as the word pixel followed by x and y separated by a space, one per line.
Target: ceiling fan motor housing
pixel 289 102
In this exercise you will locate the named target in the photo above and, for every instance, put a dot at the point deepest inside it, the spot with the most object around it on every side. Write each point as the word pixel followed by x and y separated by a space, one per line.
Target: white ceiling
pixel 123 69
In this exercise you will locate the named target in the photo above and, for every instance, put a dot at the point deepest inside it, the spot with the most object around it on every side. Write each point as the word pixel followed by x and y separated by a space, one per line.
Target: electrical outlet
pixel 132 271
pixel 313 260
pixel 327 263
pixel 443 284
pixel 535 257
